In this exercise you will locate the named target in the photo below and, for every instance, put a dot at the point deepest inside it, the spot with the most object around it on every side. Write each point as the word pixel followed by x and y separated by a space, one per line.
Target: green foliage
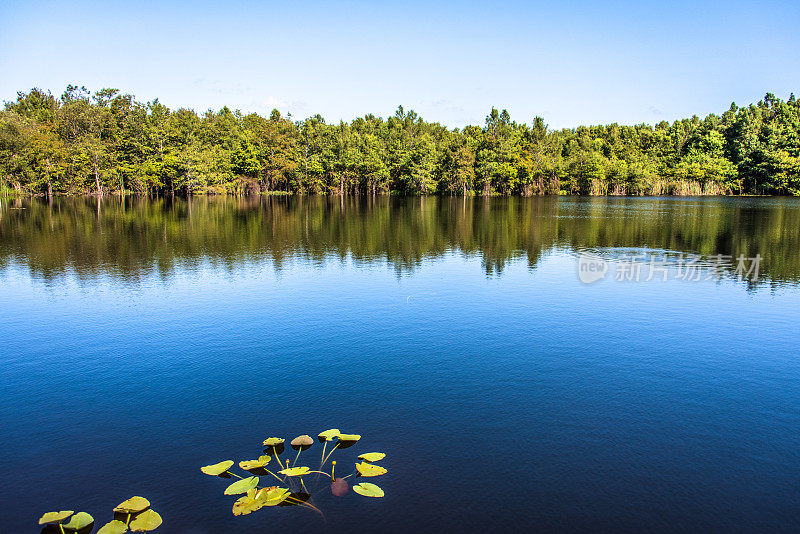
pixel 133 514
pixel 109 142
pixel 372 456
pixel 242 486
pixel 368 490
pixel 217 469
pixel 295 478
pixel 55 517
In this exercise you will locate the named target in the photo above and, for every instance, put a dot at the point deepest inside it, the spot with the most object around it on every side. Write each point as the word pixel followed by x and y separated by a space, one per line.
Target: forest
pixel 107 142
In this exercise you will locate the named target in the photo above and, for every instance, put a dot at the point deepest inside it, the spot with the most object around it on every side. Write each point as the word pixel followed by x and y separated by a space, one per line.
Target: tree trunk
pixel 97 177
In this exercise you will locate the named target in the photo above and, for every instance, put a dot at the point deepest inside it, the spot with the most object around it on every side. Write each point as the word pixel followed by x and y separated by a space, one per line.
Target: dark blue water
pixel 142 341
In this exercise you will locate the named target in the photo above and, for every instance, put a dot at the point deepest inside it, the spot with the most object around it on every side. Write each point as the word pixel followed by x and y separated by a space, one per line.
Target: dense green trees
pixel 109 142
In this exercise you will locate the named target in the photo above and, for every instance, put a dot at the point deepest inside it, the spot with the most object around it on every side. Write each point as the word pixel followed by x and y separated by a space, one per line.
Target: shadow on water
pixel 136 237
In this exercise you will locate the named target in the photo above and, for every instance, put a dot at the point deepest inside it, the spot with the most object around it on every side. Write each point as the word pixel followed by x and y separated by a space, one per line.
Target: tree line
pixel 108 142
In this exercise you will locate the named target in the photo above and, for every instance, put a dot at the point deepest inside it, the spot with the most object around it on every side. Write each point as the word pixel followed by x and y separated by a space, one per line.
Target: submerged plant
pixel 134 515
pixel 292 478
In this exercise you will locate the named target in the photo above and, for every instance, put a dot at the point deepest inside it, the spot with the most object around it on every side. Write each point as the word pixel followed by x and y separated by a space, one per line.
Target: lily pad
pixel 255 464
pixel 146 521
pixel 273 496
pixel 55 517
pixel 217 469
pixel 302 442
pixel 366 469
pixel 347 440
pixel 372 456
pixel 328 435
pixel 247 504
pixel 368 490
pixel 295 471
pixel 79 521
pixel 273 442
pixel 242 486
pixel 113 527
pixel 133 505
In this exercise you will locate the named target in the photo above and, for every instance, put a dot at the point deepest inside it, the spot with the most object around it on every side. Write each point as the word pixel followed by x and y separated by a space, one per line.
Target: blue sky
pixel 570 62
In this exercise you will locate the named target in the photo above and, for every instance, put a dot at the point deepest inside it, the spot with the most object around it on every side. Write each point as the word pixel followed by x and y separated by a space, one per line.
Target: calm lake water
pixel 142 339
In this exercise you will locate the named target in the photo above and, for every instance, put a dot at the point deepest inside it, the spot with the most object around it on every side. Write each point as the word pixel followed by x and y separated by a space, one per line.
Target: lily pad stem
pixel 329 454
pixel 320 472
pixel 276 476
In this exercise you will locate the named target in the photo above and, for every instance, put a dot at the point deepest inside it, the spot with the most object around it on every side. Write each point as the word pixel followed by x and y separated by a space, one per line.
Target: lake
pixel 142 339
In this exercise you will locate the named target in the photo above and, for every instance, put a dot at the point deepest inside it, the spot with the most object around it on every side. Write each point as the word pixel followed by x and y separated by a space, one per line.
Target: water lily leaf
pixel 255 464
pixel 241 486
pixel 79 521
pixel 146 521
pixel 347 440
pixel 217 469
pixel 368 490
pixel 339 487
pixel 302 442
pixel 133 505
pixel 247 504
pixel 366 469
pixel 257 499
pixel 55 517
pixel 372 456
pixel 113 527
pixel 273 442
pixel 273 496
pixel 295 471
pixel 328 435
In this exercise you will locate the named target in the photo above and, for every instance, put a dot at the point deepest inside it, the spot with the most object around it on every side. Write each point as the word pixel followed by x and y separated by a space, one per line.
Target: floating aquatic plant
pixel 372 456
pixel 134 515
pixel 292 490
pixel 366 469
pixel 368 490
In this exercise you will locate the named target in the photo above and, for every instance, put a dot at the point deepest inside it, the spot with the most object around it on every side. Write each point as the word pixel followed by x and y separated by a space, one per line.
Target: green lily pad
pixel 273 496
pixel 113 527
pixel 217 469
pixel 247 504
pixel 328 435
pixel 79 521
pixel 146 521
pixel 372 456
pixel 257 499
pixel 255 464
pixel 347 440
pixel 368 490
pixel 273 442
pixel 133 505
pixel 295 471
pixel 241 486
pixel 366 469
pixel 55 517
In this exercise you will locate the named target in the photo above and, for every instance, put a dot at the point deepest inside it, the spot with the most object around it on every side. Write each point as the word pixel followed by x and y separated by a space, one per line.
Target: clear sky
pixel 570 62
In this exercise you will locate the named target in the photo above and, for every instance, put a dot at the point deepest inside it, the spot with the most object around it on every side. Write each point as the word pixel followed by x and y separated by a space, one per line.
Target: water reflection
pixel 135 237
